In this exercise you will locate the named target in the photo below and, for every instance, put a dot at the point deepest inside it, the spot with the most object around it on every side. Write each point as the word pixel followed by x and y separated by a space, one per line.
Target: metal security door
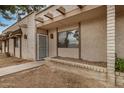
pixel 42 46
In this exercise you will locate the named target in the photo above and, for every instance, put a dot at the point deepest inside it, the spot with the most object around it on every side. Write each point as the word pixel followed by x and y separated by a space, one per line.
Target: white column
pixel 111 44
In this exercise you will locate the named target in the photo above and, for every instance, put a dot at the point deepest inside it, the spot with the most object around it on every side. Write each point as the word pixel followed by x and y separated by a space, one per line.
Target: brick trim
pixel 111 44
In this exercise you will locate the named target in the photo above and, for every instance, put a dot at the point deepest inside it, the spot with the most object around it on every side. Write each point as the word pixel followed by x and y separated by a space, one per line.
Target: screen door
pixel 42 46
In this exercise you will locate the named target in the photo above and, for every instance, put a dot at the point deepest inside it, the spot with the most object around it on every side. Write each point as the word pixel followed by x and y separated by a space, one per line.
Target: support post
pixel 79 40
pixel 111 44
pixel 57 41
pixel 20 46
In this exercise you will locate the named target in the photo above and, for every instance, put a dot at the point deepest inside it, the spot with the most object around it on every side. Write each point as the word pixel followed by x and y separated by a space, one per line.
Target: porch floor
pixel 101 64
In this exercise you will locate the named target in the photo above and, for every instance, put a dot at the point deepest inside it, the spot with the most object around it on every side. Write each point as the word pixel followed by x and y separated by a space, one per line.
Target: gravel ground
pixel 45 77
pixel 8 61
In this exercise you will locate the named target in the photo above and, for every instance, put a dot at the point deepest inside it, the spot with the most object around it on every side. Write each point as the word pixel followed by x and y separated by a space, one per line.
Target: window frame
pixel 69 30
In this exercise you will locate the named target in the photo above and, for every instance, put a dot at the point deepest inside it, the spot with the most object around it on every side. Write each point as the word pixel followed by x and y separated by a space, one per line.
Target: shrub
pixel 119 64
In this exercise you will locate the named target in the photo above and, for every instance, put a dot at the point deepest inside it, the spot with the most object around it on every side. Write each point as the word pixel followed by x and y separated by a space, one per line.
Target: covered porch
pixel 96 34
pixel 91 34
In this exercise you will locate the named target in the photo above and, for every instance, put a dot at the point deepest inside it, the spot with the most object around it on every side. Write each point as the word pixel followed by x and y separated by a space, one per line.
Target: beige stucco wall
pixel 31 32
pixel 17 52
pixel 120 31
pixel 52 44
pixel 3 46
pixel 17 49
pixel 68 52
pixel 11 47
pixel 93 39
pixel 63 52
pixel 28 45
pixel 6 46
pixel 24 44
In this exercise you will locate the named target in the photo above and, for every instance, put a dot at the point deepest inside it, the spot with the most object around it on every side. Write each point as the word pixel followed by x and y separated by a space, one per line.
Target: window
pixel 16 42
pixel 68 39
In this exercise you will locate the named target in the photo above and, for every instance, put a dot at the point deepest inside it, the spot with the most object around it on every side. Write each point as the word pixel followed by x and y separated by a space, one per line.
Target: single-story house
pixel 88 32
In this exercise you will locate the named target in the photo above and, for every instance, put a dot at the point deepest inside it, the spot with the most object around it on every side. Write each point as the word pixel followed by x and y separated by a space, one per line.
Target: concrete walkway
pixel 16 68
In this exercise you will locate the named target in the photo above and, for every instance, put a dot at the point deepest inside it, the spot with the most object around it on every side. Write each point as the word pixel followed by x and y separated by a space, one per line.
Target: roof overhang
pixel 11 34
pixel 15 33
pixel 74 17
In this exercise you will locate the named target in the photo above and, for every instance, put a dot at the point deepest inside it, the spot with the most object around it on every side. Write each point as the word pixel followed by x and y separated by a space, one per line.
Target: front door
pixel 42 46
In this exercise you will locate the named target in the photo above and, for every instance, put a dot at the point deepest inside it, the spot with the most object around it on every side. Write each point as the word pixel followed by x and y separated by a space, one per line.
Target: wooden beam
pixel 39 19
pixel 23 25
pixel 61 10
pixel 49 15
pixel 80 6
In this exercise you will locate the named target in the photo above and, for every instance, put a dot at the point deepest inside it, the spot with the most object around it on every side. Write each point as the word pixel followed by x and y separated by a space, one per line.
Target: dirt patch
pixel 44 76
pixel 8 61
pixel 102 64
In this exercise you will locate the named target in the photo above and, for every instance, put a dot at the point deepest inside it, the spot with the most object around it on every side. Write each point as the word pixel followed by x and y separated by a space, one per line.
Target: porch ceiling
pixel 94 13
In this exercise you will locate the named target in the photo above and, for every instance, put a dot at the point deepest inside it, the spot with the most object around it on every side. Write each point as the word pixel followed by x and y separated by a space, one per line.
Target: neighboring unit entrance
pixel 42 46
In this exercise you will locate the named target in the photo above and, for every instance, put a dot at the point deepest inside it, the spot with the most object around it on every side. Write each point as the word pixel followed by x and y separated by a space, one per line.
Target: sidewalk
pixel 16 68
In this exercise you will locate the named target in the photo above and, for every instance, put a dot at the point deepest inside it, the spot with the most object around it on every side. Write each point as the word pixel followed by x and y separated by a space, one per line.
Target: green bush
pixel 119 64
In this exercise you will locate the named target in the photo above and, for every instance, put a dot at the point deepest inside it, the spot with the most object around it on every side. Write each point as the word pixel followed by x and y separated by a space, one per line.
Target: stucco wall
pixel 28 45
pixel 11 47
pixel 68 52
pixel 3 46
pixel 120 32
pixel 6 46
pixel 17 52
pixel 93 39
pixel 31 38
pixel 52 44
pixel 63 52
pixel 24 44
pixel 17 49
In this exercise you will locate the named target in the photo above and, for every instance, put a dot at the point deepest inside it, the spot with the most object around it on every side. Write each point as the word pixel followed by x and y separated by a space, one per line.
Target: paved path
pixel 16 68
